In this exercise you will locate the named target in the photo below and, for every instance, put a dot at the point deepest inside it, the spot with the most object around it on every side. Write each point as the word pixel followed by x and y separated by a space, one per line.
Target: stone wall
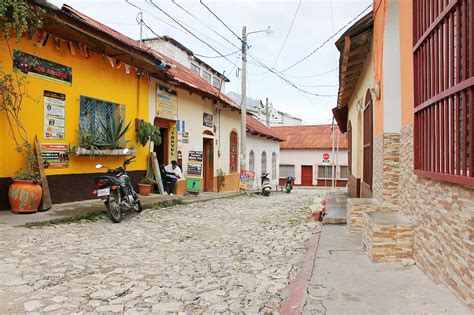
pixel 386 168
pixel 444 217
pixel 356 207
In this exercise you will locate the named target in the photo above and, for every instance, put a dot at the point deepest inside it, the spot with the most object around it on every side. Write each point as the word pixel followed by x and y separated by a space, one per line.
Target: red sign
pixel 326 156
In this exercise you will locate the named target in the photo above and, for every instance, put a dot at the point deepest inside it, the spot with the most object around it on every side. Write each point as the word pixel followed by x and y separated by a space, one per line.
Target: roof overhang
pixel 340 114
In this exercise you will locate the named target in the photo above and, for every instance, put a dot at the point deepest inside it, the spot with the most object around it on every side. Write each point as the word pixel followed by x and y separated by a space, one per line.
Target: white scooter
pixel 266 186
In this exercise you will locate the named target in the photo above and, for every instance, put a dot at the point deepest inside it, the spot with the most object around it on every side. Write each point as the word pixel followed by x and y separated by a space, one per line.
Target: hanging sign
pixel 55 155
pixel 54 115
pixel 207 120
pixel 185 137
pixel 195 156
pixel 41 68
pixel 166 103
pixel 173 142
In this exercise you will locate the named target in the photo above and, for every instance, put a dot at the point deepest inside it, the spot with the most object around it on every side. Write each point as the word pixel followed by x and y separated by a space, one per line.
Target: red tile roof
pixel 255 127
pixel 309 137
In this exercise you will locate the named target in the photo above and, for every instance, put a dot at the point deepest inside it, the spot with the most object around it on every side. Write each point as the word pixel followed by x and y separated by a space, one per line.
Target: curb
pixel 296 292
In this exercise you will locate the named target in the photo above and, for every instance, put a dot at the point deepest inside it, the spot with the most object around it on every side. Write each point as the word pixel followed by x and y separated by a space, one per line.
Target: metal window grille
pixel 287 170
pixel 325 171
pixel 443 85
pixel 94 111
pixel 343 172
pixel 234 152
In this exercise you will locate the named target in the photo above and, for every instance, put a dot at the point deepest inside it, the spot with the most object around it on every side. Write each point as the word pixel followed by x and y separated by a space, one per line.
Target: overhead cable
pixel 223 23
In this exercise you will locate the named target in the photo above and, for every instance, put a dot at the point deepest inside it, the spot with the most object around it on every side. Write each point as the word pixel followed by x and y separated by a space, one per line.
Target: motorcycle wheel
pixel 266 192
pixel 113 207
pixel 138 206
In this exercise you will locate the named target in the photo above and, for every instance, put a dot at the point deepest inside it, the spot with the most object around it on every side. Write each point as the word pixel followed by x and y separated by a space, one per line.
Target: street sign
pixel 326 156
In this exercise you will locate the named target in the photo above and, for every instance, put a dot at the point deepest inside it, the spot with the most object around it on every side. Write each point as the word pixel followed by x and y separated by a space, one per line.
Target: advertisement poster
pixel 193 181
pixel 41 68
pixel 173 142
pixel 193 184
pixel 247 179
pixel 54 115
pixel 195 169
pixel 195 156
pixel 207 120
pixel 166 105
pixel 55 155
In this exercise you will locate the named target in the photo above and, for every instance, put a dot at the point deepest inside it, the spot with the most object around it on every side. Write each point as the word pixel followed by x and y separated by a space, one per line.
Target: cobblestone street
pixel 234 254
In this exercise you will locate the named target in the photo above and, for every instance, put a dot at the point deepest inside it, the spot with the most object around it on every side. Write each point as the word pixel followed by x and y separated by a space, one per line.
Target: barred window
pixel 216 82
pixel 207 76
pixel 234 152
pixel 343 171
pixel 94 112
pixel 325 171
pixel 287 170
pixel 196 69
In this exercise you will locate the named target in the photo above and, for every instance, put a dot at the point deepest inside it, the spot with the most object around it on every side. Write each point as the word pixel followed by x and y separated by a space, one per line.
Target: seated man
pixel 172 173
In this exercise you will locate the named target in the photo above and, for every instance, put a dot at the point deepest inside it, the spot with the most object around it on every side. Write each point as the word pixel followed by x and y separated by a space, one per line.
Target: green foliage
pixel 147 181
pixel 220 179
pixel 90 139
pixel 20 17
pixel 114 136
pixel 148 132
pixel 27 172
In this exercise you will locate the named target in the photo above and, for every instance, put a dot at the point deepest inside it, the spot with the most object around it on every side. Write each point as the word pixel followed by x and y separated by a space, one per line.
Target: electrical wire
pixel 203 56
pixel 223 23
pixel 312 75
pixel 187 30
pixel 326 41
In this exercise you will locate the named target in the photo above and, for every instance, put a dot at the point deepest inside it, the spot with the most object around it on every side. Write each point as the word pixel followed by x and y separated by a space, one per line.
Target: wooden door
pixel 368 147
pixel 306 175
pixel 208 165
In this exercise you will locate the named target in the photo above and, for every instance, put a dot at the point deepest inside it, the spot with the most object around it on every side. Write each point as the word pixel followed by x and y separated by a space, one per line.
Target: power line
pixel 203 56
pixel 312 75
pixel 208 9
pixel 326 41
pixel 287 34
pixel 187 30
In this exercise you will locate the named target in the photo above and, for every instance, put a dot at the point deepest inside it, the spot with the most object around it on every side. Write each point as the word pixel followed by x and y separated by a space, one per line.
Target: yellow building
pixel 78 71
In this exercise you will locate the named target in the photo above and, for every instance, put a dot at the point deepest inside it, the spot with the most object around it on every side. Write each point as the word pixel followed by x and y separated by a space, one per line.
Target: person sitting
pixel 172 173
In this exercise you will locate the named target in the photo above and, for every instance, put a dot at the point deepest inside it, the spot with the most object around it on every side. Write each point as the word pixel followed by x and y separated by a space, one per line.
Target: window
pixel 343 171
pixel 443 64
pixel 274 165
pixel 195 69
pixel 234 152
pixel 325 171
pixel 252 161
pixel 287 170
pixel 95 113
pixel 206 75
pixel 216 82
pixel 264 162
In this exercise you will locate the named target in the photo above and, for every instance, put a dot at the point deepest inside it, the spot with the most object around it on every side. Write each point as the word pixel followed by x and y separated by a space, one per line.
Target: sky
pixel 314 23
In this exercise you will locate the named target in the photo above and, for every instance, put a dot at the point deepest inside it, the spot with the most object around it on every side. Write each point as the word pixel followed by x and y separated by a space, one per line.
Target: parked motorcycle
pixel 116 190
pixel 266 186
pixel 289 184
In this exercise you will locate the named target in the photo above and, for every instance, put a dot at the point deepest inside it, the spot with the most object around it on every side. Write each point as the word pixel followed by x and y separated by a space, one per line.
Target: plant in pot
pixel 220 180
pixel 147 132
pixel 145 184
pixel 24 193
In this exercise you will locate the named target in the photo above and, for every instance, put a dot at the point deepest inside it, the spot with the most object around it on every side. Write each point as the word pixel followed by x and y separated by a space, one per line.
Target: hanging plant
pixel 148 132
pixel 20 17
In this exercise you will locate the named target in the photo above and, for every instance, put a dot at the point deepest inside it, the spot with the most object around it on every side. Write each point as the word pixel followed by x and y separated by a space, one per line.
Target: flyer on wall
pixel 54 115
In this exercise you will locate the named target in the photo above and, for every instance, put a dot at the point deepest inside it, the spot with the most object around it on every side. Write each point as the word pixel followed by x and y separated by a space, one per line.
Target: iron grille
pixel 94 111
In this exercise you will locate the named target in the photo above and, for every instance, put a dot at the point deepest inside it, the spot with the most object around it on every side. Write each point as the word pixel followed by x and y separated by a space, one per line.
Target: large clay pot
pixel 25 196
pixel 144 189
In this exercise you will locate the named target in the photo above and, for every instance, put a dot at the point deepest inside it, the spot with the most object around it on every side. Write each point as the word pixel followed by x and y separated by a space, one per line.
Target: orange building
pixel 405 100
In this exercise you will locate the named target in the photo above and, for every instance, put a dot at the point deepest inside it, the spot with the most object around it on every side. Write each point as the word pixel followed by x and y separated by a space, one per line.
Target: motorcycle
pixel 266 186
pixel 116 190
pixel 289 184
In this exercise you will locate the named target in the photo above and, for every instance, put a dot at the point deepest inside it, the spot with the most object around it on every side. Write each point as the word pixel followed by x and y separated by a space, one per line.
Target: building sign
pixel 195 156
pixel 55 155
pixel 247 179
pixel 193 185
pixel 173 142
pixel 166 104
pixel 326 158
pixel 41 68
pixel 207 120
pixel 185 137
pixel 54 115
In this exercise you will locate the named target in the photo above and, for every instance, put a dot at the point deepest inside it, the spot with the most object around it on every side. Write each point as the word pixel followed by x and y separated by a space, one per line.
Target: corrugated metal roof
pixel 255 127
pixel 309 137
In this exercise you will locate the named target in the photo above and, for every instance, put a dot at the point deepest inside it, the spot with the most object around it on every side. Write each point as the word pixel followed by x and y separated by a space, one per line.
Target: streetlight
pixel 243 106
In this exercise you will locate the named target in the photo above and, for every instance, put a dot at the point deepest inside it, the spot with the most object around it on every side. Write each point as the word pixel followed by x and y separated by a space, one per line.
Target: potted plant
pixel 24 193
pixel 144 187
pixel 147 132
pixel 220 180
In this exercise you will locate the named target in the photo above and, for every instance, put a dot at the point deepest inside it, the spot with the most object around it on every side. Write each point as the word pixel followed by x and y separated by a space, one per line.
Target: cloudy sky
pixel 315 22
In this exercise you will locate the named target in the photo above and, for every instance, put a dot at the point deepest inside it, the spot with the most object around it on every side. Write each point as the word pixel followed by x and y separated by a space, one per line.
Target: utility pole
pixel 332 158
pixel 268 115
pixel 243 106
pixel 140 21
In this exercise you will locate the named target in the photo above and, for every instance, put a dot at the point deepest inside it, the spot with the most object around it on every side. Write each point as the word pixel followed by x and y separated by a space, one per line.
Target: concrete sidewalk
pixel 336 207
pixel 81 208
pixel 344 281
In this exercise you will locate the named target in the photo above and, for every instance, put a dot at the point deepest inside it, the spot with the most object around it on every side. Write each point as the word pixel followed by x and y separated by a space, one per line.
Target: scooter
pixel 116 190
pixel 266 186
pixel 289 184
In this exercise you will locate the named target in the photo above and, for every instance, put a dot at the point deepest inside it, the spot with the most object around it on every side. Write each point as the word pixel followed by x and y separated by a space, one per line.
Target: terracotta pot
pixel 25 196
pixel 144 189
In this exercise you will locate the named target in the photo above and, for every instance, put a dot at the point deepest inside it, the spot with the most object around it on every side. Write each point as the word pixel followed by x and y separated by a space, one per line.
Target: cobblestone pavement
pixel 233 254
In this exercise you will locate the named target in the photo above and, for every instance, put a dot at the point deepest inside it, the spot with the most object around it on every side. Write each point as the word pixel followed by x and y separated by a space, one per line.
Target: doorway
pixel 208 164
pixel 161 150
pixel 306 175
pixel 366 185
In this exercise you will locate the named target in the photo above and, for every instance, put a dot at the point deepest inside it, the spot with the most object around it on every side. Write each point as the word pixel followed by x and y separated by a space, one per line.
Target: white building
pixel 263 151
pixel 266 113
pixel 175 50
pixel 306 154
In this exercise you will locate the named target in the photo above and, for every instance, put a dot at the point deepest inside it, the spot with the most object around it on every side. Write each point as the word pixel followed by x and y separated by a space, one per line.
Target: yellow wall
pixel 93 77
pixel 406 60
